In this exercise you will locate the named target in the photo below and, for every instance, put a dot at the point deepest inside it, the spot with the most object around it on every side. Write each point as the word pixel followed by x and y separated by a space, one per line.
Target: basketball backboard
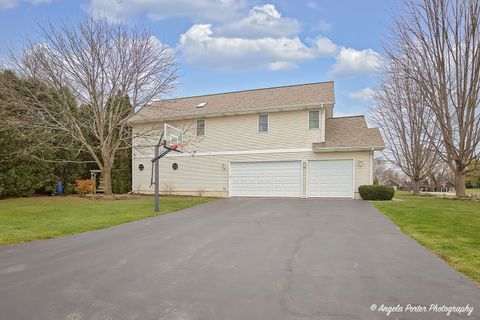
pixel 172 138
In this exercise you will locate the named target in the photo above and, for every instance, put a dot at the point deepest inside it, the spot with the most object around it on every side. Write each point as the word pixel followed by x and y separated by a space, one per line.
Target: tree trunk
pixel 416 187
pixel 460 185
pixel 107 180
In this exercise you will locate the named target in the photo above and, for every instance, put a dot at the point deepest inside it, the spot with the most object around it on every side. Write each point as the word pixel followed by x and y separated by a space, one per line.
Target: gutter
pixel 347 149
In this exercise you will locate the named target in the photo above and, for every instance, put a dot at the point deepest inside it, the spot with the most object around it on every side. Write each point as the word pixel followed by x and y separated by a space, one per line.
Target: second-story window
pixel 314 119
pixel 200 128
pixel 263 123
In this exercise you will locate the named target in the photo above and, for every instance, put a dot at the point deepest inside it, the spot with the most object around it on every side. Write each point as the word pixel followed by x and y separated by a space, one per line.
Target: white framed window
pixel 263 123
pixel 200 128
pixel 314 119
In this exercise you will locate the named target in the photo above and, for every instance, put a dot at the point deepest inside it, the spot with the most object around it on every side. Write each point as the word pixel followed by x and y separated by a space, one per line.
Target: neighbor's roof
pixel 392 180
pixel 239 102
pixel 350 132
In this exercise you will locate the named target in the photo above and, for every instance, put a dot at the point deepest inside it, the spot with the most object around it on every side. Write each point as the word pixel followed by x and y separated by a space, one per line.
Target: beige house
pixel 272 142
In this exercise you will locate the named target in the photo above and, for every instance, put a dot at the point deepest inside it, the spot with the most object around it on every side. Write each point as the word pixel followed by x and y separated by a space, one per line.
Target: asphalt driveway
pixel 234 259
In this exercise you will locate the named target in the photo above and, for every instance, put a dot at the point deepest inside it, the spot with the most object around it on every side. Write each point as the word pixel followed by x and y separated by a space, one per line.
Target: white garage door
pixel 266 179
pixel 330 178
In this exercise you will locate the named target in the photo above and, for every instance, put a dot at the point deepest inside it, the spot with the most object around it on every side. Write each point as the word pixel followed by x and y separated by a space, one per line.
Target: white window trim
pixel 258 123
pixel 204 127
pixel 319 120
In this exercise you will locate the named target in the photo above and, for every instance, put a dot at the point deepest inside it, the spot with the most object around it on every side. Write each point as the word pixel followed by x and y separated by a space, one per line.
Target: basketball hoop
pixel 176 146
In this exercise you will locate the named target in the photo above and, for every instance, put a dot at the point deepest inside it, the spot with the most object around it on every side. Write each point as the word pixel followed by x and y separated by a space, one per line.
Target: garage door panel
pixel 330 178
pixel 266 179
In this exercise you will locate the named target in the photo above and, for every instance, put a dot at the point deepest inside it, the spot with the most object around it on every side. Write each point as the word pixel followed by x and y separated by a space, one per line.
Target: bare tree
pixel 403 117
pixel 437 43
pixel 379 167
pixel 101 74
pixel 440 174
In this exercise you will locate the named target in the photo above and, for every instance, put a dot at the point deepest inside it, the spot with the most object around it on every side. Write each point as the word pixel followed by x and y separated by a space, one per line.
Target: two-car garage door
pixel 324 178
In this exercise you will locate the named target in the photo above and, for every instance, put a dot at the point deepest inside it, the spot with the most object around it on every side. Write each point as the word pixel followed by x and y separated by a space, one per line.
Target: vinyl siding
pixel 237 133
pixel 209 175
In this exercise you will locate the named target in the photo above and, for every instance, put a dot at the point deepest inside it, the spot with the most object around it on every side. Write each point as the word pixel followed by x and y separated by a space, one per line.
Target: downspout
pixel 133 168
pixel 371 166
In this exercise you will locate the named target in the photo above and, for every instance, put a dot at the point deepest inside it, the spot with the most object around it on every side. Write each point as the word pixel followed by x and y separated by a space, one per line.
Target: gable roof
pixel 447 183
pixel 349 132
pixel 239 102
pixel 390 180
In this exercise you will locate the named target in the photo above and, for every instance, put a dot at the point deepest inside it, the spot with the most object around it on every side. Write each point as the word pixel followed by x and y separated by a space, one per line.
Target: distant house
pixel 447 186
pixel 390 182
pixel 426 186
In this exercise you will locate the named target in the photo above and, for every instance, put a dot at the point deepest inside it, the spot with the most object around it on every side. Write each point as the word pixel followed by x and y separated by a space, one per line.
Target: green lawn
pixel 450 228
pixel 27 219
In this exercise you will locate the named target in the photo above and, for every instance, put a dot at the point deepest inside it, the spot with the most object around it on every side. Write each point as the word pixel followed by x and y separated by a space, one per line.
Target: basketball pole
pixel 157 178
pixel 156 173
pixel 156 165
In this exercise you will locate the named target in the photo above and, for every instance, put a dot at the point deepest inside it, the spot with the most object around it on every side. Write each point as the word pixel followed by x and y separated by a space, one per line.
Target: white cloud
pixel 325 47
pixel 8 4
pixel 264 39
pixel 365 94
pixel 281 65
pixel 262 21
pixel 229 17
pixel 353 62
pixel 201 46
pixel 197 10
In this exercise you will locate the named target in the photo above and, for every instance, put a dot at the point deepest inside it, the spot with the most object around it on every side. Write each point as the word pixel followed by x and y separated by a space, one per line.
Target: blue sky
pixel 227 45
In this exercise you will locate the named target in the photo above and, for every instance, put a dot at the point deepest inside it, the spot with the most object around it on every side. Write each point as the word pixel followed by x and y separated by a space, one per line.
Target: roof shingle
pixel 238 102
pixel 350 132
